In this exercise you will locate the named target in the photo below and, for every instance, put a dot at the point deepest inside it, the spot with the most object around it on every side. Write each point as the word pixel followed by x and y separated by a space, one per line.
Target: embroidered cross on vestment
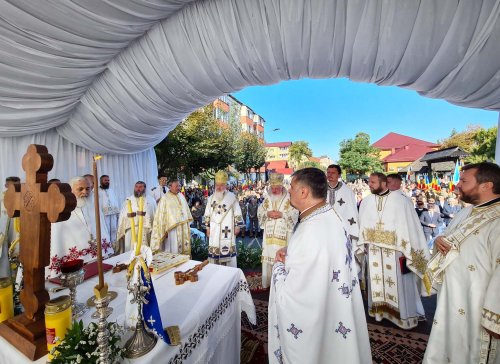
pixel 342 330
pixel 294 331
pixel 226 231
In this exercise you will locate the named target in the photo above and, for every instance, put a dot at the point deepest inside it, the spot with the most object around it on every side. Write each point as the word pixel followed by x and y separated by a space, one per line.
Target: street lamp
pixel 265 163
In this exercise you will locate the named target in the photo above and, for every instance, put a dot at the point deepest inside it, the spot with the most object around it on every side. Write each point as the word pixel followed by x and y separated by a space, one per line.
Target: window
pixel 250 113
pixel 225 99
pixel 221 115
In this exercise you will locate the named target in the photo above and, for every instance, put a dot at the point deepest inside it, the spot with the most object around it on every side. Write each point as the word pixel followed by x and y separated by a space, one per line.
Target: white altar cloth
pixel 207 312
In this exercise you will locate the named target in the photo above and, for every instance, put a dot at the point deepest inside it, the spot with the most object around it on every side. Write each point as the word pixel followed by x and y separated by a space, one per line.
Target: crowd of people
pixel 324 241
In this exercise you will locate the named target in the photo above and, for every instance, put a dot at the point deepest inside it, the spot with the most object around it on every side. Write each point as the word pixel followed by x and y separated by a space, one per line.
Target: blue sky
pixel 324 112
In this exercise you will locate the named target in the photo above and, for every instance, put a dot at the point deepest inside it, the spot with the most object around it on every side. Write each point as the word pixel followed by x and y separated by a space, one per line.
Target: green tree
pixel 464 139
pixel 197 144
pixel 475 140
pixel 357 156
pixel 314 164
pixel 485 143
pixel 234 119
pixel 298 151
pixel 250 153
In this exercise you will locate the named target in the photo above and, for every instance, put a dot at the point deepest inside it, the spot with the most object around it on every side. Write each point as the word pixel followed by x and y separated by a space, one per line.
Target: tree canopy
pixel 312 164
pixel 357 156
pixel 475 140
pixel 464 139
pixel 197 144
pixel 298 151
pixel 250 153
pixel 485 143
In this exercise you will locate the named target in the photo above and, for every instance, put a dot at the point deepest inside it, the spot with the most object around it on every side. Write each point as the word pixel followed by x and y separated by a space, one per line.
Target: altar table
pixel 208 313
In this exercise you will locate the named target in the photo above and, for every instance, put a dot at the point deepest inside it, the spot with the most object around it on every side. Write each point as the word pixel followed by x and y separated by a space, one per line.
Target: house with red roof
pixel 278 158
pixel 282 167
pixel 398 151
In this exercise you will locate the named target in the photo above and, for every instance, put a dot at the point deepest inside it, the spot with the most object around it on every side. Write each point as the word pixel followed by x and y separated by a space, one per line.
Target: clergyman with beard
pixel 391 235
pixel 278 218
pixel 75 238
pixel 466 273
pixel 109 205
pixel 171 225
pixel 124 236
pixel 223 220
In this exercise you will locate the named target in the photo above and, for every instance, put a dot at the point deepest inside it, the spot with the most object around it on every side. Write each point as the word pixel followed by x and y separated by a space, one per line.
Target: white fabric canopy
pixel 115 76
pixel 71 160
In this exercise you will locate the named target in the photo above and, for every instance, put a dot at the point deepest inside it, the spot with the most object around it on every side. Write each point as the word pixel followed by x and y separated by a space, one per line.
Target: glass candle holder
pixel 6 299
pixel 58 319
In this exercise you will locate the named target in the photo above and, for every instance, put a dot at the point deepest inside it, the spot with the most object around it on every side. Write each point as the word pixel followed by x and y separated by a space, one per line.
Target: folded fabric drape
pixel 71 160
pixel 117 75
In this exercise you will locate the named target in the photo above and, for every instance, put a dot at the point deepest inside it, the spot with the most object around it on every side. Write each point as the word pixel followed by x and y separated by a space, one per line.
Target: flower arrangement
pixel 80 344
pixel 248 257
pixel 199 248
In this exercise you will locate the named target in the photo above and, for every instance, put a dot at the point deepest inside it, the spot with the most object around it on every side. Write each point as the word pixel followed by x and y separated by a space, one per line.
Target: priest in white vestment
pixel 466 273
pixel 316 311
pixel 75 238
pixel 343 201
pixel 110 207
pixel 171 230
pixel 393 239
pixel 223 220
pixel 159 191
pixel 278 218
pixel 124 235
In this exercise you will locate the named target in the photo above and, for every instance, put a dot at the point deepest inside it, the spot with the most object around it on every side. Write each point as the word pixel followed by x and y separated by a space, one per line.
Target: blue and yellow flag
pixel 151 312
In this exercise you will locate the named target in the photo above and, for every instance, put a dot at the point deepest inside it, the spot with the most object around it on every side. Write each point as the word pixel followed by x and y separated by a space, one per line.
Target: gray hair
pixel 76 179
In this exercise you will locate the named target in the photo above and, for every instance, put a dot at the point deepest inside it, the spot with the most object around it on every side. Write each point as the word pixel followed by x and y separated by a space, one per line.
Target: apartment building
pixel 227 107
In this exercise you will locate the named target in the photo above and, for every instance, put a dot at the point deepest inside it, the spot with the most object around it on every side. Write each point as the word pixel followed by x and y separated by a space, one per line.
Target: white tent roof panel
pixel 116 76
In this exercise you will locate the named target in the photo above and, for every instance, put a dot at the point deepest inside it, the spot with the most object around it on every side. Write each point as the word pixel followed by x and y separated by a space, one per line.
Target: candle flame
pixel 97 157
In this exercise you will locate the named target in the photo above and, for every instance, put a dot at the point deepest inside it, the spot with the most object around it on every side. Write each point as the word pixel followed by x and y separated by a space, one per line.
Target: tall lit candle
pixel 98 224
pixel 131 216
pixel 141 224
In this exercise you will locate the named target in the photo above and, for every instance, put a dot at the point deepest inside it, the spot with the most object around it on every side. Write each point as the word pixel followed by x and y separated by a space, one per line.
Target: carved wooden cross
pixel 226 231
pixel 38 204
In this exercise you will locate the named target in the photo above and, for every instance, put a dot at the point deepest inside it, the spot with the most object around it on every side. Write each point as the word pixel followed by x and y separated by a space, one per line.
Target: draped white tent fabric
pixel 115 76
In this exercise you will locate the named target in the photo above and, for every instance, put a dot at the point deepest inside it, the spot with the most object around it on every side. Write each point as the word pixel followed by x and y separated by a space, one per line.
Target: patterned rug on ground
pixel 389 345
pixel 255 282
pixel 252 349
